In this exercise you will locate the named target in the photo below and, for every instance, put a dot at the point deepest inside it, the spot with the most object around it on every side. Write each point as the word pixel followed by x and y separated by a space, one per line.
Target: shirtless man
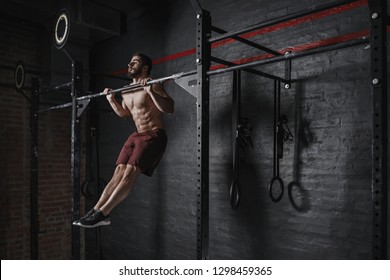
pixel 144 148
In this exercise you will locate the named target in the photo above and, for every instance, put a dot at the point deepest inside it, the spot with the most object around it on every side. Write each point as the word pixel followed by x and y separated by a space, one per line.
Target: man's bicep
pixel 159 89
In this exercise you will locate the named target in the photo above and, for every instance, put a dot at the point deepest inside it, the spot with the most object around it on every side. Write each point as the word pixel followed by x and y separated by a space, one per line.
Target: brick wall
pixel 22 41
pixel 330 110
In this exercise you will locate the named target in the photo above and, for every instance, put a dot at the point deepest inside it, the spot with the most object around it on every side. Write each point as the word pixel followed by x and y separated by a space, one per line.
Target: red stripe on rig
pixel 328 42
pixel 160 60
pixel 174 56
pixel 119 72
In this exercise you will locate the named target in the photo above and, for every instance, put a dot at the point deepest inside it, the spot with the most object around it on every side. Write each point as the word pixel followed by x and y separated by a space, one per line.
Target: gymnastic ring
pixel 235 194
pixel 85 187
pixel 270 188
pixel 291 198
pixel 63 23
pixel 19 76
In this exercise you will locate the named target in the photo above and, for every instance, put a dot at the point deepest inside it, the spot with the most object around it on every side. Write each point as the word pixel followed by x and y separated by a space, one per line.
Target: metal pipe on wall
pixel 34 107
pixel 290 56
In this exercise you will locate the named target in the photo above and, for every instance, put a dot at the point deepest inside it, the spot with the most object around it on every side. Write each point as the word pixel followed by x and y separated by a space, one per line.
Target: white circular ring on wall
pixel 62 29
pixel 19 76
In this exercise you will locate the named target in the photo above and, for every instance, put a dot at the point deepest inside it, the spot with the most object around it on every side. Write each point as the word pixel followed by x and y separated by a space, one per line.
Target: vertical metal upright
pixel 203 62
pixel 77 71
pixel 378 40
pixel 287 71
pixel 34 107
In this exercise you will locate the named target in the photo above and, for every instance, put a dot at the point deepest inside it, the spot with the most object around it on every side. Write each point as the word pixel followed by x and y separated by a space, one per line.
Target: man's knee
pixel 120 169
pixel 118 172
pixel 131 172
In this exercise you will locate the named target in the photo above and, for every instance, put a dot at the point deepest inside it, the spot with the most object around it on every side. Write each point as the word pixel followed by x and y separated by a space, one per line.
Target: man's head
pixel 139 64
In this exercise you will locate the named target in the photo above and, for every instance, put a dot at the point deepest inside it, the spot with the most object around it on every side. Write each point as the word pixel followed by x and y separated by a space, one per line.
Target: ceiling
pixel 96 19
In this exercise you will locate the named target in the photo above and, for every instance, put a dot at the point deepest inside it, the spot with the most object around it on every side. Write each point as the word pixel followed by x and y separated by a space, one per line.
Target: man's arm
pixel 116 106
pixel 161 98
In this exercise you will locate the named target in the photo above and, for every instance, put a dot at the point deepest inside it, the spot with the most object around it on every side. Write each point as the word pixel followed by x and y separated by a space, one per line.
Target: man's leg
pixel 111 186
pixel 112 197
pixel 108 190
pixel 122 189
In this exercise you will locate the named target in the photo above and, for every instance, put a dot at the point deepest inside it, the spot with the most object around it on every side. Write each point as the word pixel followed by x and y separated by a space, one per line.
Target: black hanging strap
pixel 235 187
pixel 278 146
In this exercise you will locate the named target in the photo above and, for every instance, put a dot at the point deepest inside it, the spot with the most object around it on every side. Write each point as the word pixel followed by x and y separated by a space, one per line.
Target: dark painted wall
pixel 329 112
pixel 28 42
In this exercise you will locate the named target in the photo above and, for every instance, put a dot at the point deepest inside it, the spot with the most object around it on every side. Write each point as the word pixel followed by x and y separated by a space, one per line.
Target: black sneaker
pixel 77 223
pixel 95 220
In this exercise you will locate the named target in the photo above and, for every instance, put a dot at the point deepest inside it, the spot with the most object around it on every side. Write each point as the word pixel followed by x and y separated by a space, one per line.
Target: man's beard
pixel 135 74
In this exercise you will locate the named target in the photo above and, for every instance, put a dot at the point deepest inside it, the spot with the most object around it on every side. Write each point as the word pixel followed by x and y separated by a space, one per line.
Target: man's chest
pixel 137 100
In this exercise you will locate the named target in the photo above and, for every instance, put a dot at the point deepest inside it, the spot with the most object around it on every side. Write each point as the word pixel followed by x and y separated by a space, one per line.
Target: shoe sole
pixel 78 222
pixel 102 223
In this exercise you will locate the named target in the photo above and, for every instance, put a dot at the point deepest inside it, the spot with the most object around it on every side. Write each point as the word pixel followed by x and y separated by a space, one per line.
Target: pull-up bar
pixel 125 88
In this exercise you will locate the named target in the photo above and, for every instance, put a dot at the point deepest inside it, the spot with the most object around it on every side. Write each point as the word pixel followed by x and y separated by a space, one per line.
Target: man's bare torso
pixel 145 114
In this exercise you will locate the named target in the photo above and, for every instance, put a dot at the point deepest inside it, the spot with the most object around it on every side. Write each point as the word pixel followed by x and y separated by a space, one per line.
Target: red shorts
pixel 144 150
